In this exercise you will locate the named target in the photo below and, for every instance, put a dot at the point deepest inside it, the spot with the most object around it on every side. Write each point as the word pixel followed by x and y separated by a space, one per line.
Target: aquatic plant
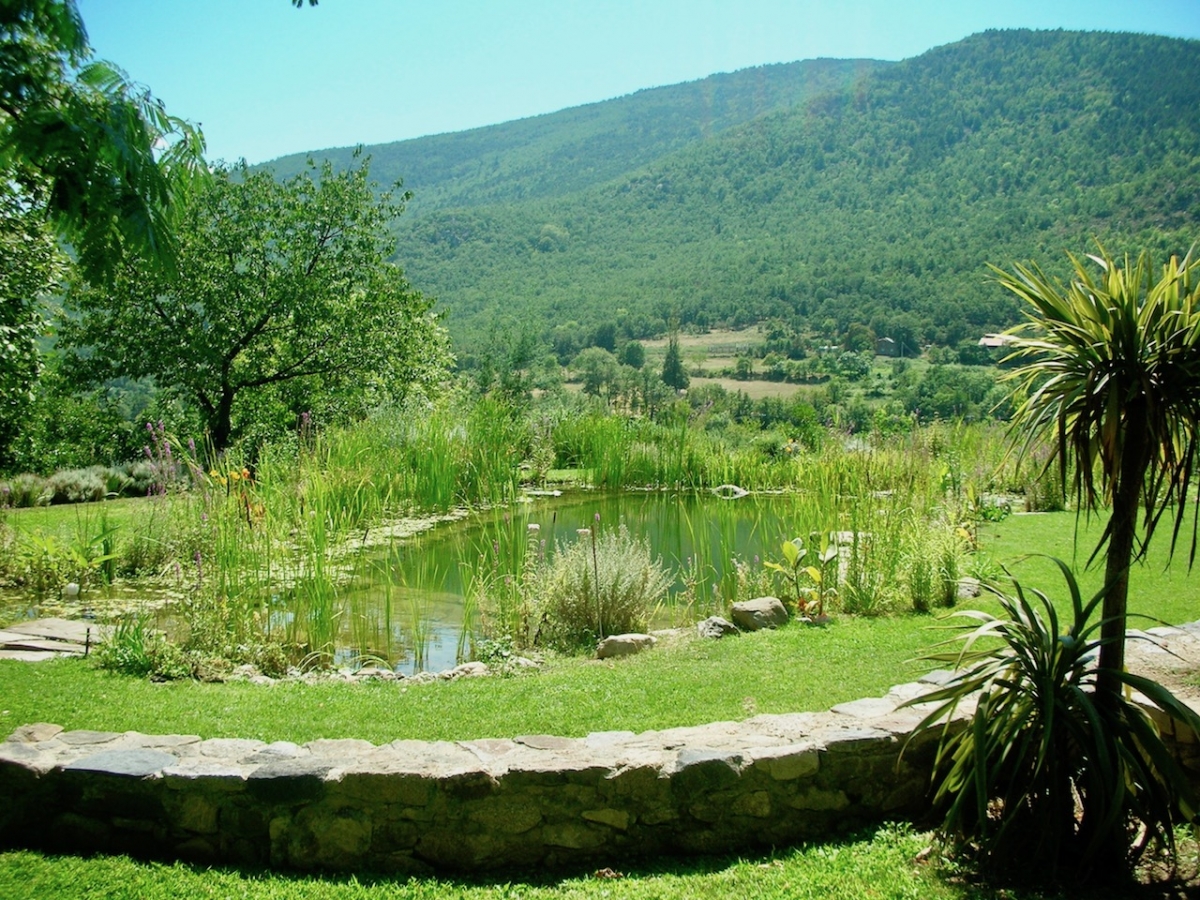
pixel 611 586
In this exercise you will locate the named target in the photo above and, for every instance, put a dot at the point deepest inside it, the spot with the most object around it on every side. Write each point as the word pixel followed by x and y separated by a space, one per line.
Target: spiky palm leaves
pixel 1111 378
pixel 1044 777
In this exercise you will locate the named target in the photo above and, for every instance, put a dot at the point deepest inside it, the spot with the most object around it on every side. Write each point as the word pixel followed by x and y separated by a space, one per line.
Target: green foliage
pixel 1047 776
pixel 674 375
pixel 633 354
pixel 539 158
pixel 30 267
pixel 1110 382
pixel 134 647
pixel 878 205
pixel 931 565
pixel 599 372
pixel 281 304
pixel 602 584
pixel 85 145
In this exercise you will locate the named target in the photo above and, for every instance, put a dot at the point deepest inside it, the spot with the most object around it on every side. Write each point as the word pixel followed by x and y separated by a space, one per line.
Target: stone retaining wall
pixel 412 806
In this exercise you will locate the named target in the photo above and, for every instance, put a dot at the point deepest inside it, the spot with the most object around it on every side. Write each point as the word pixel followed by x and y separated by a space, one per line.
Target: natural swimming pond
pixel 408 603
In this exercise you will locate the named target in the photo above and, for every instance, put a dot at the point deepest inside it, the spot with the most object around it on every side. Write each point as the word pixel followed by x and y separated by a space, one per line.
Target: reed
pixel 277 550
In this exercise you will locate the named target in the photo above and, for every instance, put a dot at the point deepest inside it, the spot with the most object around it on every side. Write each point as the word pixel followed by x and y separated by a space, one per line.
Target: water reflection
pixel 405 603
pixel 409 603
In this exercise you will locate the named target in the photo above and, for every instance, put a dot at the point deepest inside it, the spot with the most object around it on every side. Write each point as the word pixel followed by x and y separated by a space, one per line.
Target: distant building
pixel 996 341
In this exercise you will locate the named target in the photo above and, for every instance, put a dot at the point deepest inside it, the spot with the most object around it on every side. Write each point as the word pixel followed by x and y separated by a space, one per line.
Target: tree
pixel 83 149
pixel 633 354
pixel 598 370
pixel 30 264
pixel 95 152
pixel 674 375
pixel 282 302
pixel 1111 379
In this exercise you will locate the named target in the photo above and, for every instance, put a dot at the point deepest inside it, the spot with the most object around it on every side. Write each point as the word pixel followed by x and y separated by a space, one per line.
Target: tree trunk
pixel 1127 493
pixel 220 423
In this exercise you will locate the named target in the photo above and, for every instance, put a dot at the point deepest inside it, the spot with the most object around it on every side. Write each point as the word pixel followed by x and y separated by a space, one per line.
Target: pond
pixel 407 604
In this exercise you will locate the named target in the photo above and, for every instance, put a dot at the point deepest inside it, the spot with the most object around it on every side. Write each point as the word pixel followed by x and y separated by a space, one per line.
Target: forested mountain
pixel 878 202
pixel 564 152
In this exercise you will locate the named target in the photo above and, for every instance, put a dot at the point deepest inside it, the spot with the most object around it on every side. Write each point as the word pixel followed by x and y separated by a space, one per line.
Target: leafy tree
pixel 1111 379
pixel 83 149
pixel 97 153
pixel 29 266
pixel 674 375
pixel 633 354
pixel 282 302
pixel 599 371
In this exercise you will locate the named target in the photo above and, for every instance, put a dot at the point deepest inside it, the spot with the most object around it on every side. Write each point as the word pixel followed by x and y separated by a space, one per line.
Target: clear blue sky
pixel 264 79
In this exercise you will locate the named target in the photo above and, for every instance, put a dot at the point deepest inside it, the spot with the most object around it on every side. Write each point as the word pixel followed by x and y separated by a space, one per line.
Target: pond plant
pixel 1049 777
pixel 605 582
pixel 274 548
pixel 1056 765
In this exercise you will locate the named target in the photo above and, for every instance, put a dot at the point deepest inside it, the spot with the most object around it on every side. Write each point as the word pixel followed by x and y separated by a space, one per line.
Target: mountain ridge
pixel 878 200
pixel 540 156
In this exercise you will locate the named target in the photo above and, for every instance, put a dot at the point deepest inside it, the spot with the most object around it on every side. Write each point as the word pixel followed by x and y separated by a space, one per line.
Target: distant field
pixel 720 342
pixel 755 390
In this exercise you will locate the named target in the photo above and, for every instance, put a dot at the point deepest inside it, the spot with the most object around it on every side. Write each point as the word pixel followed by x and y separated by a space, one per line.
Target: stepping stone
pixel 18 642
pixel 59 629
pixel 28 655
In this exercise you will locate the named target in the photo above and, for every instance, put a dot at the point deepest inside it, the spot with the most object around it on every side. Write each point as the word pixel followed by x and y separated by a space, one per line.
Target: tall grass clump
pixel 605 582
pixel 602 584
pixel 506 595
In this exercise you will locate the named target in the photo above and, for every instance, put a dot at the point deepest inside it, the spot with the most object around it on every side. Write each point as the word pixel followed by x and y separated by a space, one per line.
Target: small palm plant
pixel 1042 777
pixel 1110 380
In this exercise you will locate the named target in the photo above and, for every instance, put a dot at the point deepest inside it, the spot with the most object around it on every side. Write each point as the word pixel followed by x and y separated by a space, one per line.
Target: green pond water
pixel 407 602
pixel 404 600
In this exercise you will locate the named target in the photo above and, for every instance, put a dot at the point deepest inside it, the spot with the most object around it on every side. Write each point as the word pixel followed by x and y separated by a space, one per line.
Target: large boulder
pixel 623 645
pixel 762 612
pixel 715 627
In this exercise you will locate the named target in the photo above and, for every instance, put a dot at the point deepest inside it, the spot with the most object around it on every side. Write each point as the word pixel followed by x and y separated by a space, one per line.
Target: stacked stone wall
pixel 415 806
pixel 539 800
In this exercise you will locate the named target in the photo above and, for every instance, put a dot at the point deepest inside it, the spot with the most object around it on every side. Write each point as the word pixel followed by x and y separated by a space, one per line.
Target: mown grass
pixel 1159 587
pixel 687 683
pixel 881 865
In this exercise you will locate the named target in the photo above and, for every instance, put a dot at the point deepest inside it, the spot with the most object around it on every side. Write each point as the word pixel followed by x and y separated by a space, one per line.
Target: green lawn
pixel 65 518
pixel 881 865
pixel 1171 593
pixel 685 683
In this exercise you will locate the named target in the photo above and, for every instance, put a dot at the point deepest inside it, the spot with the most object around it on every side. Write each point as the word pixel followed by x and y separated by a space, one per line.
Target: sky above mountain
pixel 264 79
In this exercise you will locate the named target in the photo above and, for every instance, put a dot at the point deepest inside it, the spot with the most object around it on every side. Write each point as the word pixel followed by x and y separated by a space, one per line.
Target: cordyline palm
pixel 1111 377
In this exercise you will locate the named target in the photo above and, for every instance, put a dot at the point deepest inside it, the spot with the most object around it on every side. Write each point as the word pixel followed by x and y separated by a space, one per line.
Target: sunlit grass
pixel 881 865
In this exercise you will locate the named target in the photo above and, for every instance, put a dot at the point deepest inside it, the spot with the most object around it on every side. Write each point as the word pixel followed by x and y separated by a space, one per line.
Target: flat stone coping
pixel 491 803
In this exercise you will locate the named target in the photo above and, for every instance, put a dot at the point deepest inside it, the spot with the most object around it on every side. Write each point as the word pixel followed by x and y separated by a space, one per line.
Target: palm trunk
pixel 1126 496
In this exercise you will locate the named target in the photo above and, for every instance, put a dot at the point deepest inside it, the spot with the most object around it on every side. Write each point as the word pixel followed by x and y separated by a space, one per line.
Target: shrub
pixel 1048 774
pixel 600 585
pixel 78 485
pixel 28 490
pixel 1045 493
pixel 140 477
pixel 136 648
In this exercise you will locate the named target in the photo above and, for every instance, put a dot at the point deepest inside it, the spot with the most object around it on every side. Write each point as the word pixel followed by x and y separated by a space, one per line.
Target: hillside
pixel 879 202
pixel 568 151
